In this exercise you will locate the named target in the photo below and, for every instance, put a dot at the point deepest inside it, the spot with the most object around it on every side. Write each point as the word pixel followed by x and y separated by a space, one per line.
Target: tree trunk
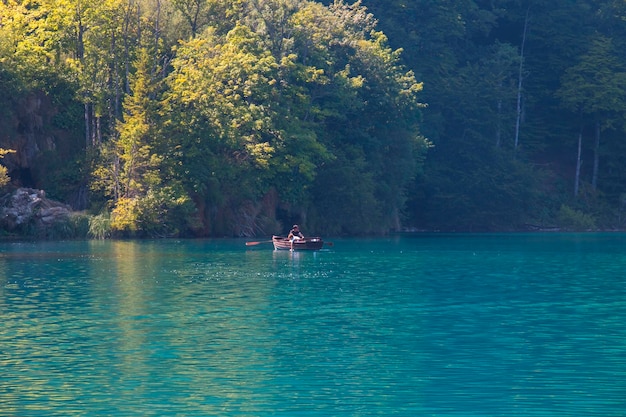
pixel 596 158
pixel 157 28
pixel 578 162
pixel 80 55
pixel 94 128
pixel 87 123
pixel 520 78
pixel 126 36
pixel 80 43
pixel 98 135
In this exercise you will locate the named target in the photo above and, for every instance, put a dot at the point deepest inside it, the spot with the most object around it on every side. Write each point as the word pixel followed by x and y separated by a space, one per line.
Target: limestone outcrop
pixel 28 210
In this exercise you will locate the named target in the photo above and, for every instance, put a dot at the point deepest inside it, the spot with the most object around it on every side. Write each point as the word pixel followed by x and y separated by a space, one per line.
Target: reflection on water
pixel 455 325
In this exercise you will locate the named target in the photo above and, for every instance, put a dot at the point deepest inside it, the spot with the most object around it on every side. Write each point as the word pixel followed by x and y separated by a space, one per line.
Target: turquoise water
pixel 433 325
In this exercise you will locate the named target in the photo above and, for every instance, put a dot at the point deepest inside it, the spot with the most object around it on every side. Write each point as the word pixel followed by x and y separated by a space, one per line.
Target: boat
pixel 307 243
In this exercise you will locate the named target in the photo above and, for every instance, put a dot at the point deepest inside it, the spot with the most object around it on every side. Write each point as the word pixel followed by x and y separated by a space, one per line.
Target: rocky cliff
pixel 45 131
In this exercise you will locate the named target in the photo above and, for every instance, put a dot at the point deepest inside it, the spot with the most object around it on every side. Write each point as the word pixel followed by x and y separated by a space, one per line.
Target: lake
pixel 420 325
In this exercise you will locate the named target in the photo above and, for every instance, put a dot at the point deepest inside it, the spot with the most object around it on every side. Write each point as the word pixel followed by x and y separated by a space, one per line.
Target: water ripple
pixel 461 326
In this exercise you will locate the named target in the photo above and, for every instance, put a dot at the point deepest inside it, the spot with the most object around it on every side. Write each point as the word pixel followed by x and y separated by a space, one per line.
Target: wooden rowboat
pixel 308 243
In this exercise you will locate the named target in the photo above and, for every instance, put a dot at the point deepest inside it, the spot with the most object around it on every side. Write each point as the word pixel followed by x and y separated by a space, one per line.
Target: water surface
pixel 439 325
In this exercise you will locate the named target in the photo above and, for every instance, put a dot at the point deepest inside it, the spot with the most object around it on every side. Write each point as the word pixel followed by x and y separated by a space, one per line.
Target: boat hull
pixel 308 243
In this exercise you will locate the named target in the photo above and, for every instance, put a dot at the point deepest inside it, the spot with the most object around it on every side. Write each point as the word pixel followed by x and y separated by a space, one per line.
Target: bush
pixel 4 173
pixel 100 226
pixel 125 216
pixel 166 212
pixel 80 224
pixel 575 220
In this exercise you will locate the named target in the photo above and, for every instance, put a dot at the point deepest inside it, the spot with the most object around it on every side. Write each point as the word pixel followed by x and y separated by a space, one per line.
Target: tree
pixel 220 91
pixel 201 14
pixel 144 199
pixel 593 89
pixel 274 101
pixel 4 177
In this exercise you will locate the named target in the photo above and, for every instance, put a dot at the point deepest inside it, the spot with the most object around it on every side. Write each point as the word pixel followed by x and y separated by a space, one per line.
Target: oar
pixel 256 243
pixel 329 244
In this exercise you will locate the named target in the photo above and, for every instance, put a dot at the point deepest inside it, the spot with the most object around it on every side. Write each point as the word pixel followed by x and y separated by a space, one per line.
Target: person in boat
pixel 295 233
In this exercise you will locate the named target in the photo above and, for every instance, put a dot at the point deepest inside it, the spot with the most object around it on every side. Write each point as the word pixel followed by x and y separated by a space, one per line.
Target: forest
pixel 198 118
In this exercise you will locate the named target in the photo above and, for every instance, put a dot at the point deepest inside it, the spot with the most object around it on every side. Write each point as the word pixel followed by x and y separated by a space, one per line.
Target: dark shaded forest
pixel 162 118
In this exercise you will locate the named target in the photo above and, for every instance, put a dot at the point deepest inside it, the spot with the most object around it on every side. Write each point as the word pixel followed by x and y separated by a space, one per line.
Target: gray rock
pixel 27 207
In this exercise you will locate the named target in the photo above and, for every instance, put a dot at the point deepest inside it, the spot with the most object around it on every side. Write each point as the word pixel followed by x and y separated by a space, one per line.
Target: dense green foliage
pixel 511 86
pixel 214 118
pixel 262 115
